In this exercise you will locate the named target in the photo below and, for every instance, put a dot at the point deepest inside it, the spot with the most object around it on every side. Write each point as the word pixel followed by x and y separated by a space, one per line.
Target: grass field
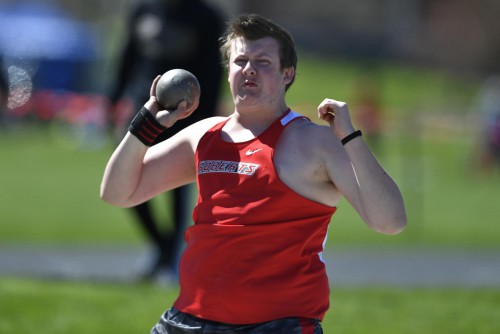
pixel 50 196
pixel 65 307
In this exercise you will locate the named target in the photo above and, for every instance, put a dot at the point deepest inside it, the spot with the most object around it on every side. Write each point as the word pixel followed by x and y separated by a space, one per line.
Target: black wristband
pixel 145 127
pixel 350 137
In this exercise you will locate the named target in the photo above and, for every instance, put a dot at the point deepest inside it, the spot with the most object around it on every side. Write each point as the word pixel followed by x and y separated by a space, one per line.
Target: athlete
pixel 269 181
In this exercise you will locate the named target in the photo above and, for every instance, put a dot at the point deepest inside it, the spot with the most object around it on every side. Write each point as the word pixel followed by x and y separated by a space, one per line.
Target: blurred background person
pixel 164 35
pixel 4 93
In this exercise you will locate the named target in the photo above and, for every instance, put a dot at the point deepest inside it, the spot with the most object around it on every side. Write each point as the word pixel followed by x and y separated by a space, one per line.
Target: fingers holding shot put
pixel 174 95
pixel 168 117
pixel 152 104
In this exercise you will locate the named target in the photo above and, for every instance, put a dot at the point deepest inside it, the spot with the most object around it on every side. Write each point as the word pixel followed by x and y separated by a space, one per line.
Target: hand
pixel 167 118
pixel 336 114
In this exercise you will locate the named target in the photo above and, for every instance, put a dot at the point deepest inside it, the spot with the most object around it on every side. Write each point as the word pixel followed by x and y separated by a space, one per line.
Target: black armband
pixel 145 127
pixel 350 137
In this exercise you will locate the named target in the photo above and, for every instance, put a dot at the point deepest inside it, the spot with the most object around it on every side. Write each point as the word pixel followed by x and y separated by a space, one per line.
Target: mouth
pixel 249 83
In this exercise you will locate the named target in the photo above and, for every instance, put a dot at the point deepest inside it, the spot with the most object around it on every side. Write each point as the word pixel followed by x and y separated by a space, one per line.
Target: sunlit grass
pixel 54 307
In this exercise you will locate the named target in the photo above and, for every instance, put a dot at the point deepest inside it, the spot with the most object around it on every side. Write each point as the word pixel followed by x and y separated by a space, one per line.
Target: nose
pixel 248 69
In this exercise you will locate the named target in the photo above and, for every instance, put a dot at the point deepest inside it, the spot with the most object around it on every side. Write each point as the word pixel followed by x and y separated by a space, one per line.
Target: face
pixel 255 75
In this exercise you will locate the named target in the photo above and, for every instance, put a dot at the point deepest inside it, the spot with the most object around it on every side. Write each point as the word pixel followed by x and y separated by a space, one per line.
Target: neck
pixel 249 117
pixel 259 112
pixel 244 126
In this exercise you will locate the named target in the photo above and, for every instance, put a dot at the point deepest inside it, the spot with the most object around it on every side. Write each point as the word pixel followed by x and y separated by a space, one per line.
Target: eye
pixel 240 61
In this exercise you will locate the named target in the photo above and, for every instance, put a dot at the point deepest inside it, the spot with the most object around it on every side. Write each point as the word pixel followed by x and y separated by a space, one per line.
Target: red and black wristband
pixel 145 127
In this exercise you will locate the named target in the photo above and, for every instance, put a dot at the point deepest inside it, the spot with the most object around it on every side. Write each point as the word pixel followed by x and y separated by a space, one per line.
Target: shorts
pixel 175 322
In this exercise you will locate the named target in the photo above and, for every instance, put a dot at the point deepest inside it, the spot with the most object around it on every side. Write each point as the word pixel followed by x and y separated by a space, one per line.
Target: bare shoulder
pixel 194 132
pixel 302 159
pixel 186 140
pixel 313 144
pixel 205 124
pixel 304 132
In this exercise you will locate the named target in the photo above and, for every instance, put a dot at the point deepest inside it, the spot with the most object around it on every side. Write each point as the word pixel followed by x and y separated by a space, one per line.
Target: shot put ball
pixel 175 86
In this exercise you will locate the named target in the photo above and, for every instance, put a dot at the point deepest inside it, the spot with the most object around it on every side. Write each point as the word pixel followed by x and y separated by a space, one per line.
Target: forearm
pixel 380 197
pixel 123 172
pixel 375 196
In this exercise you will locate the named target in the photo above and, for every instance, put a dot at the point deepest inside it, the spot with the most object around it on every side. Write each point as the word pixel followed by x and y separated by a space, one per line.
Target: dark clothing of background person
pixel 164 35
pixel 4 91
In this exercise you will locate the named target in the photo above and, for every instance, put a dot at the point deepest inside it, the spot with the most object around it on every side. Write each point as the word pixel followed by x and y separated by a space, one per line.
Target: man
pixel 167 34
pixel 269 181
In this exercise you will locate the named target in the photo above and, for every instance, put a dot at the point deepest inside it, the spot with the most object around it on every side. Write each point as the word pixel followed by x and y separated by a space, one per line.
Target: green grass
pixel 402 88
pixel 50 193
pixel 68 307
pixel 382 311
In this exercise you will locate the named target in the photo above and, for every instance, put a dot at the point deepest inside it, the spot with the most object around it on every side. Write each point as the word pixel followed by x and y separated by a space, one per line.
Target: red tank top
pixel 254 252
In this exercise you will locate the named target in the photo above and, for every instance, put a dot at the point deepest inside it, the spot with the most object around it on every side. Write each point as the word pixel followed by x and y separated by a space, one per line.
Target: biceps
pixel 165 170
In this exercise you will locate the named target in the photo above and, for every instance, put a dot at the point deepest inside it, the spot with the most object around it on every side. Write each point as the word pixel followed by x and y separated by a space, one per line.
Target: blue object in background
pixel 55 49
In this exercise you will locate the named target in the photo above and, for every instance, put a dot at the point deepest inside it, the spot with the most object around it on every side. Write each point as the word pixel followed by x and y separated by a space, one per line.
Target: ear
pixel 288 74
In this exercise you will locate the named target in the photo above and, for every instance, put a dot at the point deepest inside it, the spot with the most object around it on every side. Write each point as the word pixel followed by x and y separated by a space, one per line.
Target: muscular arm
pixel 360 177
pixel 123 172
pixel 136 173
